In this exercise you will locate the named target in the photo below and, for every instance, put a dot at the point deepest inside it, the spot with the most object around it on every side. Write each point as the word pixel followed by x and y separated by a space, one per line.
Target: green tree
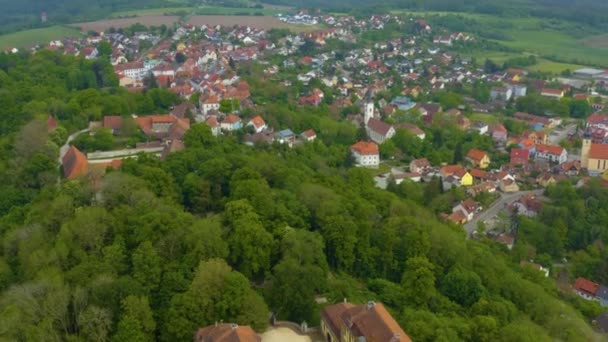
pixel 418 281
pixel 463 287
pixel 147 266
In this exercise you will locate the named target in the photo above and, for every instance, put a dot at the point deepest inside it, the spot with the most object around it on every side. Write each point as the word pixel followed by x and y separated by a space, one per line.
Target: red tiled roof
pixel 309 133
pixel 373 322
pixel 257 122
pixel 231 119
pixel 331 315
pixel 112 122
pixel 365 148
pixel 422 162
pixel 597 118
pixel 227 333
pixel 51 123
pixel 449 170
pixel 519 156
pixel 378 126
pixel 75 163
pixel 586 286
pixel 598 151
pixel 477 173
pixel 551 91
pixel 476 155
pixel 549 149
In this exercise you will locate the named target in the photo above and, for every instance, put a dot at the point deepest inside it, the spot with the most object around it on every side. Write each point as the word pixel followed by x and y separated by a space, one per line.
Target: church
pixel 594 157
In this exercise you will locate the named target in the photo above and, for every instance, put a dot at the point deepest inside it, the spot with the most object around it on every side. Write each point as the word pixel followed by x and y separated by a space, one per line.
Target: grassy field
pixel 549 38
pixel 554 67
pixel 487 118
pixel 29 38
pixel 216 10
pixel 151 11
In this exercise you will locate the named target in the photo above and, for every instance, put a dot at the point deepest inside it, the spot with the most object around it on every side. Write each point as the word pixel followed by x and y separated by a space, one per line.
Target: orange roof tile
pixel 227 333
pixel 365 148
pixel 476 155
pixel 598 151
pixel 75 163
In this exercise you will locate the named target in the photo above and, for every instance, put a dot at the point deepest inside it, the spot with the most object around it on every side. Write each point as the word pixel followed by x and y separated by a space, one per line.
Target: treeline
pixel 72 90
pixel 223 231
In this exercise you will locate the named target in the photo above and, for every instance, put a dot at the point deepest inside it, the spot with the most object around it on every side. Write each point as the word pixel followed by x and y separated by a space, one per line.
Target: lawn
pixel 151 11
pixel 489 119
pixel 30 38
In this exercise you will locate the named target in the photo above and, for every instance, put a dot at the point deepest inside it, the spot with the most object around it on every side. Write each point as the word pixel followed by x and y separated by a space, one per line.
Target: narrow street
pixel 499 205
pixel 64 149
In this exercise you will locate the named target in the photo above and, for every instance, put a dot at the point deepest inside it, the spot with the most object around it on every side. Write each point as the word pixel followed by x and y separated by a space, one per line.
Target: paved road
pixel 64 149
pixel 562 134
pixel 499 205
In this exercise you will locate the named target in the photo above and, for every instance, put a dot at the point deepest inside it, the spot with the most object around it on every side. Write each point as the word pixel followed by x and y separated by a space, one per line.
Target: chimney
pixel 344 300
pixel 371 305
pixel 234 326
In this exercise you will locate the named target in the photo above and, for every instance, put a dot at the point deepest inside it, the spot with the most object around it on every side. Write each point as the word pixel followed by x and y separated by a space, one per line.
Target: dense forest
pixel 223 231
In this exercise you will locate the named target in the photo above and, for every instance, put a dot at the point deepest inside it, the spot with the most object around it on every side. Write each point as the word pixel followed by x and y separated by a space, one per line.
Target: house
pixel 208 104
pixel 286 136
pixel 258 124
pixel 585 288
pixel 506 239
pixel 366 154
pixel 551 153
pixel 508 185
pixel 309 135
pixel 457 217
pixel 113 123
pixel 478 158
pixel 468 207
pixel 163 127
pixel 51 123
pixel 597 120
pixel 455 174
pixel 501 93
pixel 214 125
pixel 594 157
pixel 546 179
pixel 519 156
pixel 489 187
pixel 345 322
pixel 74 163
pixel 403 103
pixel 552 93
pixel 498 133
pixel 226 332
pixel 571 169
pixel 602 295
pixel 413 129
pixel 231 123
pixel 379 131
pixel 421 165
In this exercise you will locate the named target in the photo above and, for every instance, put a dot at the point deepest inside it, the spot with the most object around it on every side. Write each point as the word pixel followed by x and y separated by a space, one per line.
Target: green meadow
pixel 29 38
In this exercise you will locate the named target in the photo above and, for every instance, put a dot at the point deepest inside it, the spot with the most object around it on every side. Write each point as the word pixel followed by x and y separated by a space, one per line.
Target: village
pixel 387 89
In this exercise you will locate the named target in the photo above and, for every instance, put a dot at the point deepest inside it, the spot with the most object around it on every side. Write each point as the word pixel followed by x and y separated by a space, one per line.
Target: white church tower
pixel 368 108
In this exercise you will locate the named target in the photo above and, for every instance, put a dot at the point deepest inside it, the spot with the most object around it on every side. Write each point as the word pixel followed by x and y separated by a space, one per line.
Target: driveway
pixel 499 205
pixel 559 135
pixel 64 149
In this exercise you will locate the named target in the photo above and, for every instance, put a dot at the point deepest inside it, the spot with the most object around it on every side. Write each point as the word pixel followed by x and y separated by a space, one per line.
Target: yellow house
pixel 478 158
pixel 181 47
pixel 594 157
pixel 466 180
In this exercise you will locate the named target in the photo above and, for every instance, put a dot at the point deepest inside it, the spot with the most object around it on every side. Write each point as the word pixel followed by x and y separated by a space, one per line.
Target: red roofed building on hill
pixel 366 154
pixel 227 333
pixel 345 322
pixel 258 124
pixel 379 131
pixel 163 127
pixel 585 288
pixel 75 163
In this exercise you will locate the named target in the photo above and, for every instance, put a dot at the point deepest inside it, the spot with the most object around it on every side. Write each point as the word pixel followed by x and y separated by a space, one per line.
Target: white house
pixel 551 153
pixel 379 131
pixel 209 104
pixel 366 154
pixel 258 124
